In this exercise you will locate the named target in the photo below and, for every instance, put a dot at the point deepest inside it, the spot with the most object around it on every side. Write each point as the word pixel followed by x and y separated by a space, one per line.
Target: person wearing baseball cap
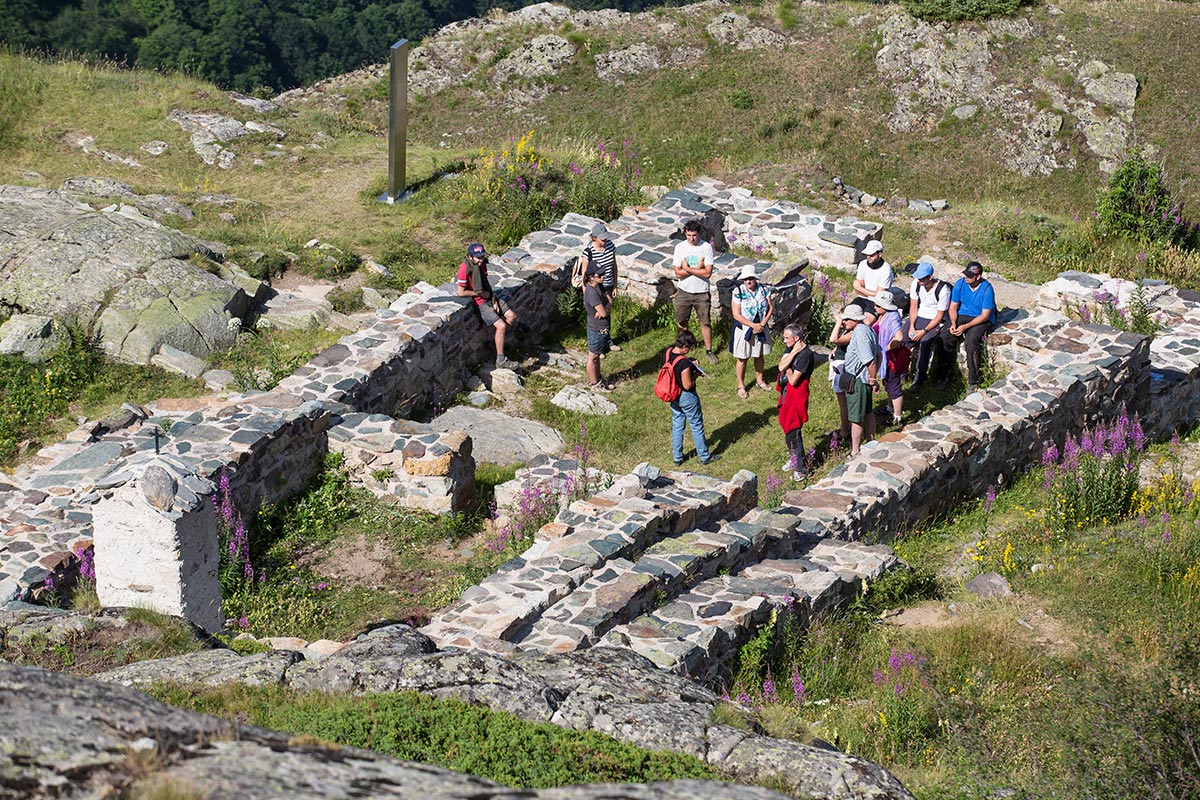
pixel 874 275
pixel 472 281
pixel 889 332
pixel 930 300
pixel 602 253
pixel 598 309
pixel 972 313
pixel 860 377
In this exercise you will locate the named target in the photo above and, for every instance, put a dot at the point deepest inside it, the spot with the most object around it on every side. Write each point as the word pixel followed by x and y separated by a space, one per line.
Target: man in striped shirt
pixel 601 254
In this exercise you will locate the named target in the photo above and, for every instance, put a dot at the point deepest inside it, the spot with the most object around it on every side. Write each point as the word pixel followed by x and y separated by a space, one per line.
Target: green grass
pixel 447 733
pixel 1078 686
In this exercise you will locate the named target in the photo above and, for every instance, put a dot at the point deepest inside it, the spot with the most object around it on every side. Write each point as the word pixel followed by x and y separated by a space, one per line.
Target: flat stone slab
pixel 499 438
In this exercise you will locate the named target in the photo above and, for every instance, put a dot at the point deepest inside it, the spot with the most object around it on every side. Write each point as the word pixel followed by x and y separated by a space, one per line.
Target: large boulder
pixel 114 268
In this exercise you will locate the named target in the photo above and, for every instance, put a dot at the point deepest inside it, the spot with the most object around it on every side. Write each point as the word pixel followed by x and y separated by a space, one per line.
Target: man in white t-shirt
pixel 927 312
pixel 693 262
pixel 874 275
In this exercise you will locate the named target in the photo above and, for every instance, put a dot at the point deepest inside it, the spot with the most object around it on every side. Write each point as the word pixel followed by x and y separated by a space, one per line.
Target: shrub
pixel 522 189
pixel 327 262
pixel 1093 480
pixel 1137 204
pixel 346 301
pixel 961 10
pixel 820 318
pixel 262 266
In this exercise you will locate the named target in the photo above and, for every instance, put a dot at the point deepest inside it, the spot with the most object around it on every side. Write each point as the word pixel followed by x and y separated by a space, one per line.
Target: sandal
pixel 766 387
pixel 742 393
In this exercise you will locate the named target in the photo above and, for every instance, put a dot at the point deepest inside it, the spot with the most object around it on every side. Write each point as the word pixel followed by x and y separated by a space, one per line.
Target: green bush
pixel 962 10
pixel 327 262
pixel 262 266
pixel 346 301
pixel 447 733
pixel 1137 204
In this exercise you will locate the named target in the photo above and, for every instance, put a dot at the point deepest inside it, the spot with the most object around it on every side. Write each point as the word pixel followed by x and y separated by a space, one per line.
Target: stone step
pixel 623 589
pixel 699 632
pixel 619 523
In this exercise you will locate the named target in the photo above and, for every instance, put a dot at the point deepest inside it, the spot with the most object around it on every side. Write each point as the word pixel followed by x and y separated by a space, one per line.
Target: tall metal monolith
pixel 397 124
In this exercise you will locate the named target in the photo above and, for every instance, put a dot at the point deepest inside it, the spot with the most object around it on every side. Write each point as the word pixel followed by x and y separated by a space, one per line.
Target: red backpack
pixel 666 386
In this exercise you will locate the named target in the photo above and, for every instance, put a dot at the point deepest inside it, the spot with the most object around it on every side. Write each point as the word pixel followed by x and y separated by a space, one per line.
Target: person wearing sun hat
pixel 889 332
pixel 601 254
pixel 972 312
pixel 874 275
pixel 862 362
pixel 930 300
pixel 751 307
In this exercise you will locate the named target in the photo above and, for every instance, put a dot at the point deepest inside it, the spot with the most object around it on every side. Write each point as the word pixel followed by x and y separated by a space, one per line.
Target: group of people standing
pixel 872 343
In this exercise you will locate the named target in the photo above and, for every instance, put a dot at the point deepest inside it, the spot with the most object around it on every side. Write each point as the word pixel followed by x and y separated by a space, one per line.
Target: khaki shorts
pixel 686 301
pixel 490 317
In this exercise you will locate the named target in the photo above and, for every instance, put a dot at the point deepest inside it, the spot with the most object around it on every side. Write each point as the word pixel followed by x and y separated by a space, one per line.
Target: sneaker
pixel 600 386
pixel 799 476
pixel 712 358
pixel 616 348
pixel 679 463
pixel 972 388
pixel 503 362
pixel 711 458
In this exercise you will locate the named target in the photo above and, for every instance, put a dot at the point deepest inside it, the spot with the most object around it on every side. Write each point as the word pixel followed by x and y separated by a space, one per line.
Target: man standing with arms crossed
pixel 693 263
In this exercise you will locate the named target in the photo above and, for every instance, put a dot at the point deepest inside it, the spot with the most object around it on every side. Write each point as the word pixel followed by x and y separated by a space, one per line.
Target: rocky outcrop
pixel 114 269
pixel 604 689
pixel 71 738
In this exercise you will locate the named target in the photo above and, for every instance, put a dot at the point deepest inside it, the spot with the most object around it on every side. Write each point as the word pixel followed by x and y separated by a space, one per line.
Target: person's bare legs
pixel 869 426
pixel 501 329
pixel 740 370
pixel 845 411
pixel 856 438
pixel 758 370
pixel 706 335
pixel 898 407
pixel 593 368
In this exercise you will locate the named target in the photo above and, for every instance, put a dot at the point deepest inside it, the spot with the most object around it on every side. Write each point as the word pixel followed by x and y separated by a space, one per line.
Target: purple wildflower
pixel 797 684
pixel 769 693
pixel 989 500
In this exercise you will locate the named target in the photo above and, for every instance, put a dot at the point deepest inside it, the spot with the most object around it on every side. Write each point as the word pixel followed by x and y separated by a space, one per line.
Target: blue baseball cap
pixel 476 250
pixel 924 270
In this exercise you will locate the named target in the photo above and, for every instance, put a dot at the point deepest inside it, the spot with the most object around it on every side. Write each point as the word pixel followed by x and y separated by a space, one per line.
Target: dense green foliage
pixel 1137 204
pixel 958 10
pixel 34 396
pixel 239 44
pixel 448 733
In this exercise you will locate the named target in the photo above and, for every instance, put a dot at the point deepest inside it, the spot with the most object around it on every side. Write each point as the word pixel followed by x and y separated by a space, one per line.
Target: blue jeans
pixel 686 410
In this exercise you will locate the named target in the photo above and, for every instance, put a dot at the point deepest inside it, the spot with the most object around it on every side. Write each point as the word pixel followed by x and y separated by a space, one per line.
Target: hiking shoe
pixel 601 386
pixel 504 362
pixel 972 388
pixel 711 458
pixel 712 358
pixel 679 463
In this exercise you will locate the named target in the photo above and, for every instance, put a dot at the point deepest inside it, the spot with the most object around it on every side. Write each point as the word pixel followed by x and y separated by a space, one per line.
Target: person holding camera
pixel 472 280
pixel 751 308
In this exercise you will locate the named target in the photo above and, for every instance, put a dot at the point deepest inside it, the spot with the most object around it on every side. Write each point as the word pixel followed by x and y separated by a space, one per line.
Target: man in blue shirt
pixel 972 313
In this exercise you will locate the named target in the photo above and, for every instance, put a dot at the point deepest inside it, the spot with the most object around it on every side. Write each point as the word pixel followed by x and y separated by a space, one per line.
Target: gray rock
pixel 31 336
pixel 97 187
pixel 1105 85
pixel 261 106
pixel 211 126
pixel 119 271
pixel 648 471
pixel 218 379
pixel 499 438
pixel 175 360
pixel 967 111
pixel 572 398
pixel 207 668
pixel 989 584
pixel 479 399
pixel 156 147
pixel 159 487
pixel 542 57
pixel 637 59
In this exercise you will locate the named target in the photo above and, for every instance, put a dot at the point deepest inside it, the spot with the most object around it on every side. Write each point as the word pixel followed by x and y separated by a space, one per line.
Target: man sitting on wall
pixel 972 313
pixel 472 280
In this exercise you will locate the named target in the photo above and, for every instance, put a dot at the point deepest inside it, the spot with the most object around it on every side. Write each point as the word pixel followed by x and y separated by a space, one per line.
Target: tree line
pixel 240 44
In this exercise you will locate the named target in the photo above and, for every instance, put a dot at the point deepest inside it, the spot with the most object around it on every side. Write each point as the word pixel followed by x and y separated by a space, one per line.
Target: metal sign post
pixel 397 125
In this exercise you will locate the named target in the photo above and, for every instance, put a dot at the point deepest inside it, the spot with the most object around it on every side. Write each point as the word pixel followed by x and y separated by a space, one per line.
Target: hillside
pixel 1022 114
